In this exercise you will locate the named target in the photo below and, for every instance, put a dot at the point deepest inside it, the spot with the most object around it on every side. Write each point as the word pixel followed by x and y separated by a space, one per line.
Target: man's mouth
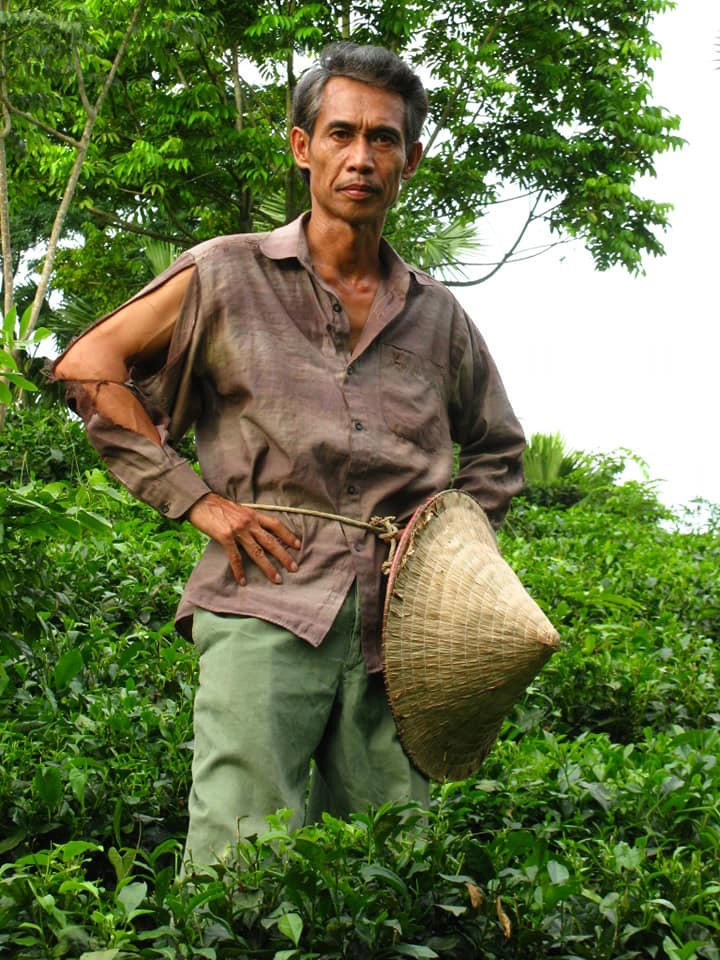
pixel 359 190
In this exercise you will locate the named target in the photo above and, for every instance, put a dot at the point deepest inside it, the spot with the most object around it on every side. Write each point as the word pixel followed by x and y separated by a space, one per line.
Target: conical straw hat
pixel 462 638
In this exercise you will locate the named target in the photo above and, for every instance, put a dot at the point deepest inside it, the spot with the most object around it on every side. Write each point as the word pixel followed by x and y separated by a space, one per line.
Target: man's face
pixel 357 154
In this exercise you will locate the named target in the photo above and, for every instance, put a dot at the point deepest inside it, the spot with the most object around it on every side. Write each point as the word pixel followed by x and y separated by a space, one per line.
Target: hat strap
pixel 384 528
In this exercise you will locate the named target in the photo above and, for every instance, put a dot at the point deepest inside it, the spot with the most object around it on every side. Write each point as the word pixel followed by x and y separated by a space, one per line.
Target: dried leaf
pixel 476 896
pixel 503 918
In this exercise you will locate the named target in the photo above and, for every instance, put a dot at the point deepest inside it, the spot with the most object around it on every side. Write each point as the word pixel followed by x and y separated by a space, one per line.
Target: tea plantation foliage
pixel 592 831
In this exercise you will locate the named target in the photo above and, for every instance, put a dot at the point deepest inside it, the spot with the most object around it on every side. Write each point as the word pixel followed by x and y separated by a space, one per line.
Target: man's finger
pixel 236 564
pixel 278 528
pixel 273 546
pixel 257 554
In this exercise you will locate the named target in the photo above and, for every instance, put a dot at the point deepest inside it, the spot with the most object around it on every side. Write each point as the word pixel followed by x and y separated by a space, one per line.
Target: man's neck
pixel 344 253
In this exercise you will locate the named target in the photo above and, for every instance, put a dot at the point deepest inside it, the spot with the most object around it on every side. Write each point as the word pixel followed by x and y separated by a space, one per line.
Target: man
pixel 322 373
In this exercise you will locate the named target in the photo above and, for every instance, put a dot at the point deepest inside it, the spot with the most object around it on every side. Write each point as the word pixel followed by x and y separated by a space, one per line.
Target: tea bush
pixel 592 831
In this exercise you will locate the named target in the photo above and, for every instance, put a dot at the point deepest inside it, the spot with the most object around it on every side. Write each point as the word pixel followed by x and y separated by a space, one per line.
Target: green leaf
pixel 454 908
pixel 12 840
pixel 20 381
pixel 68 666
pixel 291 926
pixel 413 950
pixel 48 785
pixel 77 778
pixel 8 325
pixel 7 361
pixel 671 784
pixel 377 872
pixel 25 322
pixel 92 521
pixel 131 896
pixel 76 848
pixel 557 871
pixel 122 863
pixel 39 334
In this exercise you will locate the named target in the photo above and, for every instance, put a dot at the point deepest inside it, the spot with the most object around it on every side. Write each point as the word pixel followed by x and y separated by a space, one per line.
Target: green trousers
pixel 267 704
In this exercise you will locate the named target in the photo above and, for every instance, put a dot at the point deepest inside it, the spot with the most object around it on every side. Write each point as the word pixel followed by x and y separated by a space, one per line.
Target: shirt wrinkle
pixel 361 435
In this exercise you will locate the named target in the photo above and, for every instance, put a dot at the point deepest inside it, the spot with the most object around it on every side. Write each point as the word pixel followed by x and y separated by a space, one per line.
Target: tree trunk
pixel 92 112
pixel 5 238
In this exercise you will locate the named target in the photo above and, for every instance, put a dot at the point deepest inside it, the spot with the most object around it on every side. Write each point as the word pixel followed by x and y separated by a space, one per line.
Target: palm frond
pixel 270 214
pixel 160 255
pixel 442 252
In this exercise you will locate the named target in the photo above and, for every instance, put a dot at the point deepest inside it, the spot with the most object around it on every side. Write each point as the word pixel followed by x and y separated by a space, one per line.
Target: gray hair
pixel 373 65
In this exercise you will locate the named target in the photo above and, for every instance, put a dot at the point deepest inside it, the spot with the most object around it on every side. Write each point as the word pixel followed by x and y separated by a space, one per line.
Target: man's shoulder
pixel 427 280
pixel 228 245
pixel 433 288
pixel 424 280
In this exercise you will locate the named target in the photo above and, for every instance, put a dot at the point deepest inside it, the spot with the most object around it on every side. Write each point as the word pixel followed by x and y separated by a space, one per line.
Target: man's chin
pixel 362 213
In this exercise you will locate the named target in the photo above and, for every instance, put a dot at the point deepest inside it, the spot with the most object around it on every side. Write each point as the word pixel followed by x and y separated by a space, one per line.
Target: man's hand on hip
pixel 259 535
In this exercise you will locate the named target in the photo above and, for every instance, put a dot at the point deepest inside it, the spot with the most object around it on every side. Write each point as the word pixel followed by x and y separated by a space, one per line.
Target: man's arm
pixel 98 367
pixel 99 361
pixel 489 434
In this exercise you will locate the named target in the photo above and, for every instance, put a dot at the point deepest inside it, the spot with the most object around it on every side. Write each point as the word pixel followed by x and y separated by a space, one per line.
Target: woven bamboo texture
pixel 462 638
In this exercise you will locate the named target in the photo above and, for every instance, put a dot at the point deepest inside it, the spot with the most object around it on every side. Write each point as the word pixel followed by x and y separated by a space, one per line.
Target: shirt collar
pixel 290 242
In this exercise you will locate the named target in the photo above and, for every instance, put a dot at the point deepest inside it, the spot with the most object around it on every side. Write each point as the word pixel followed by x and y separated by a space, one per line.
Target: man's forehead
pixel 347 100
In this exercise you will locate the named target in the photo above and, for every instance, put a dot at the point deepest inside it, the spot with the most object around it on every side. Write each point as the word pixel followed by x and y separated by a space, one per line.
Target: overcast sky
pixel 610 360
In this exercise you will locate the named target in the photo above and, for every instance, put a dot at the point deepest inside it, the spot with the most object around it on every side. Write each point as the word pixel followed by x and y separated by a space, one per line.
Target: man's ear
pixel 413 161
pixel 300 144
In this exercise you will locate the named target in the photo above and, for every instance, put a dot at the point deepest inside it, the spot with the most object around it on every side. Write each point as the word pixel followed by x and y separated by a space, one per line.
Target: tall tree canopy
pixel 172 116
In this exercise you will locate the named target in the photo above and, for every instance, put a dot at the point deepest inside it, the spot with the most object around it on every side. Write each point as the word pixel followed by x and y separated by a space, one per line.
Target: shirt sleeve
pixel 155 473
pixel 489 434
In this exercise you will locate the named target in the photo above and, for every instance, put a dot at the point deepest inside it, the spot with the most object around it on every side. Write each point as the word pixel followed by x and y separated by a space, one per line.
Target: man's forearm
pixel 116 403
pixel 493 477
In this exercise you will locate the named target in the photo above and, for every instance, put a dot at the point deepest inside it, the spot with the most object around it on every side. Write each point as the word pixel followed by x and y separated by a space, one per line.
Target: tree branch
pixel 237 89
pixel 39 123
pixel 508 253
pixel 81 80
pixel 74 177
pixel 112 218
pixel 5 236
pixel 177 223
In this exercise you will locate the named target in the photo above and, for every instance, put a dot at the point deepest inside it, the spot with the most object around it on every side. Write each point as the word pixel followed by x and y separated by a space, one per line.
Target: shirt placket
pixel 350 376
pixel 357 378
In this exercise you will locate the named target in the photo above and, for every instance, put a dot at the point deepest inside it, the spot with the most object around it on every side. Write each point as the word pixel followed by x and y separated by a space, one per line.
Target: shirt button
pixel 357 547
pixel 337 308
pixel 164 507
pixel 352 489
pixel 358 425
pixel 350 371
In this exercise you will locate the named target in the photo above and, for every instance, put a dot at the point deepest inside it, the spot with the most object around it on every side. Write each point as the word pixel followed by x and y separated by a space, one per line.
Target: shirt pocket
pixel 411 397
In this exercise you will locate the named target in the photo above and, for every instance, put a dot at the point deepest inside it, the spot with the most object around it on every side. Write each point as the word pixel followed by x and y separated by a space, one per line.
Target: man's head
pixel 372 65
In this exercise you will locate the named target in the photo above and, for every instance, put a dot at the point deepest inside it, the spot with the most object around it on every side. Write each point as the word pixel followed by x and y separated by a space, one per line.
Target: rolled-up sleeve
pixel 154 472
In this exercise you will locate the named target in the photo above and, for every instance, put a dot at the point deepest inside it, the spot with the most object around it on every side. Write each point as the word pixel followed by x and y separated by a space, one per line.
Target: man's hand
pixel 233 526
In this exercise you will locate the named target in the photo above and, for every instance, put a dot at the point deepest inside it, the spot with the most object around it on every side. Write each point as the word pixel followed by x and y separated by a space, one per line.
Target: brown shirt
pixel 285 414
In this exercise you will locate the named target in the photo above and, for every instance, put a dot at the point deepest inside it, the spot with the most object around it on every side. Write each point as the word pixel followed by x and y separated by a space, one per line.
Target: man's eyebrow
pixel 391 131
pixel 348 125
pixel 340 125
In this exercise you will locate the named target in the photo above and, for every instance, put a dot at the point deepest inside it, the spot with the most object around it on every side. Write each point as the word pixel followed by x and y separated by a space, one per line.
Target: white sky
pixel 610 360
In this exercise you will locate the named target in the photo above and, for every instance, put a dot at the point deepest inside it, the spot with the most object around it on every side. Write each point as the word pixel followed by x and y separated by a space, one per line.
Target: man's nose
pixel 360 156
